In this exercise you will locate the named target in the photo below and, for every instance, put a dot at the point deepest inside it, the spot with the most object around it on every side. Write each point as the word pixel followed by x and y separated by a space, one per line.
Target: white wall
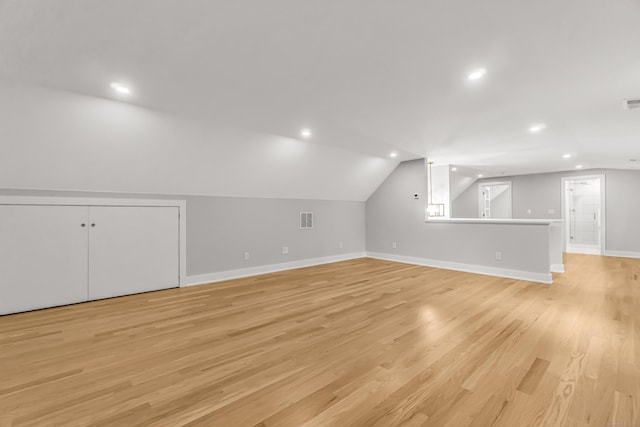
pixel 542 194
pixel 392 215
pixel 59 140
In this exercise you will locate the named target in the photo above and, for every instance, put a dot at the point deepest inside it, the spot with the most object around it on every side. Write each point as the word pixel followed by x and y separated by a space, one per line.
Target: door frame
pixel 83 201
pixel 481 201
pixel 603 209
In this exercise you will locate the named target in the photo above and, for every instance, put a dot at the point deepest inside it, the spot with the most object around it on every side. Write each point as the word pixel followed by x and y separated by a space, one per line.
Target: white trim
pixel 468 268
pixel 155 193
pixel 220 276
pixel 481 198
pixel 183 241
pixel 577 249
pixel 622 254
pixel 603 214
pixel 495 221
pixel 89 201
pixel 557 268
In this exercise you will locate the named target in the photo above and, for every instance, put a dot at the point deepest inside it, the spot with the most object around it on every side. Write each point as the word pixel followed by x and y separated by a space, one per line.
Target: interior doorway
pixel 584 214
pixel 495 200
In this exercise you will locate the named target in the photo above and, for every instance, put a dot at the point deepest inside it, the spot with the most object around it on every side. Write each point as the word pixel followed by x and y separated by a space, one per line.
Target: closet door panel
pixel 43 256
pixel 132 250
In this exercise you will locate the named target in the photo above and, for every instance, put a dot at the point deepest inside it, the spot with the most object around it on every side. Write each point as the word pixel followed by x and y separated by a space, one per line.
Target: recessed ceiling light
pixel 477 74
pixel 393 154
pixel 537 127
pixel 454 169
pixel 578 166
pixel 305 133
pixel 480 175
pixel 633 160
pixel 566 156
pixel 121 89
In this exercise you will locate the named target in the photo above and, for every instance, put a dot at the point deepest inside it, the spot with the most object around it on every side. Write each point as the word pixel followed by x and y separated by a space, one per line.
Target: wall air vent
pixel 306 220
pixel 632 104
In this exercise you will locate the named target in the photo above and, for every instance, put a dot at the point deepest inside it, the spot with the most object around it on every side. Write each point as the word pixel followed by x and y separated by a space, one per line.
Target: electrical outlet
pixel 529 211
pixel 498 256
pixel 246 256
pixel 285 250
pixel 394 245
pixel 341 245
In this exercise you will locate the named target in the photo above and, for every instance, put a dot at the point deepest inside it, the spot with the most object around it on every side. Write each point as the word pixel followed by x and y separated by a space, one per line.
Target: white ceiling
pixel 369 76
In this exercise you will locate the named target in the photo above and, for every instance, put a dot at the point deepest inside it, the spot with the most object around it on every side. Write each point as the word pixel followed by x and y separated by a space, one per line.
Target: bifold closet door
pixel 132 250
pixel 43 256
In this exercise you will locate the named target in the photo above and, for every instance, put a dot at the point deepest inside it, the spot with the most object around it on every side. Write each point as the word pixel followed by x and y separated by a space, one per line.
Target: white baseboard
pixel 468 268
pixel 220 276
pixel 584 251
pixel 622 254
pixel 557 268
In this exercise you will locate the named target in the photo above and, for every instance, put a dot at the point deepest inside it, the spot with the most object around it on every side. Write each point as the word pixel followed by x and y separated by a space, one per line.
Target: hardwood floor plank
pixel 534 375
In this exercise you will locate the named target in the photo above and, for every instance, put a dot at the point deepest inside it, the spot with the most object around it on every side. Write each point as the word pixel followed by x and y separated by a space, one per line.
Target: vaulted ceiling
pixel 367 76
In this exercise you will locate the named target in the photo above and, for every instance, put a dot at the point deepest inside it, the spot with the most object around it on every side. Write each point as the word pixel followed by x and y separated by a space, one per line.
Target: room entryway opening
pixel 584 214
pixel 495 200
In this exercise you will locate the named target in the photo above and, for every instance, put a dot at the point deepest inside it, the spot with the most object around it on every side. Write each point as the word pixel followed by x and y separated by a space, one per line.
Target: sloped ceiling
pixel 367 76
pixel 57 140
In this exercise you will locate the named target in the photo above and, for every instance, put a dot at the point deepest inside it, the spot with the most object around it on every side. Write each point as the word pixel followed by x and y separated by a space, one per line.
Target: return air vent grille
pixel 306 220
pixel 632 104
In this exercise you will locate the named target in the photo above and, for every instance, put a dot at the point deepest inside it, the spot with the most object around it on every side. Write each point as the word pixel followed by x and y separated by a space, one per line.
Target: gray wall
pixel 466 205
pixel 393 215
pixel 500 205
pixel 221 229
pixel 542 192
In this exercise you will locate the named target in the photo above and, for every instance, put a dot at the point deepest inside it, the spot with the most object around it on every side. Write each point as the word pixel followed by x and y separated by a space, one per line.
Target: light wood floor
pixel 363 342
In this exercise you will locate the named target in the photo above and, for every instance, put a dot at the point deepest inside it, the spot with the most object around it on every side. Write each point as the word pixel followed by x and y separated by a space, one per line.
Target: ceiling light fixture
pixel 537 127
pixel 305 133
pixel 566 156
pixel 480 175
pixel 477 74
pixel 454 169
pixel 393 154
pixel 578 166
pixel 121 89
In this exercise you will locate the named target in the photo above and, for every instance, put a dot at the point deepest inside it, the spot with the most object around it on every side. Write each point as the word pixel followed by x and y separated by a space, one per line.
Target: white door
pixel 132 250
pixel 583 202
pixel 43 256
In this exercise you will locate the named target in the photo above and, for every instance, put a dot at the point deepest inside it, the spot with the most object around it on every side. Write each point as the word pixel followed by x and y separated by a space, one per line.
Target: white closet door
pixel 132 250
pixel 43 256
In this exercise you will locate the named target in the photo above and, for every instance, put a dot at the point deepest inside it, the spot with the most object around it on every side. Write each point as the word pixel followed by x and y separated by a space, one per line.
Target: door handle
pixel 93 224
pixel 83 225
